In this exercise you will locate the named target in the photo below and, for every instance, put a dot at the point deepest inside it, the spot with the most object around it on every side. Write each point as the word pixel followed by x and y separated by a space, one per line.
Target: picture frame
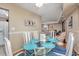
pixel 29 23
pixel 70 25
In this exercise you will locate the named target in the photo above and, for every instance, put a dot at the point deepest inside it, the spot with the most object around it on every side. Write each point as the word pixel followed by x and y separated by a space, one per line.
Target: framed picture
pixel 29 23
pixel 70 25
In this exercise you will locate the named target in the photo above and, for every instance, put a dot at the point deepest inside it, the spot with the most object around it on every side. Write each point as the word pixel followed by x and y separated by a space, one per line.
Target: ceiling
pixel 50 12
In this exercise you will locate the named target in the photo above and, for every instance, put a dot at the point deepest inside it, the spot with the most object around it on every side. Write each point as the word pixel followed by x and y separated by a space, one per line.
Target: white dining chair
pixel 8 48
pixel 43 37
pixel 27 36
pixel 69 47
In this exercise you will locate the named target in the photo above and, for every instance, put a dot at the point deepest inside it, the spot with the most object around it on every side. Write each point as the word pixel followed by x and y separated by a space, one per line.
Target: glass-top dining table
pixel 44 47
pixel 41 48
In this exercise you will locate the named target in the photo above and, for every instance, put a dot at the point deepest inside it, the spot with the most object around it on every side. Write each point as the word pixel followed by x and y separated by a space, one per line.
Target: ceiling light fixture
pixel 39 4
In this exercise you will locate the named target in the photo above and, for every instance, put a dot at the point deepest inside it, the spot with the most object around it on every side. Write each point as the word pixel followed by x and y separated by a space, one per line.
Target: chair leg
pixel 35 52
pixel 45 52
pixel 25 52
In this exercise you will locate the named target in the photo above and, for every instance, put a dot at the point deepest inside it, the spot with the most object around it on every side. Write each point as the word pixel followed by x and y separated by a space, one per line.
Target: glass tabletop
pixel 44 48
pixel 41 48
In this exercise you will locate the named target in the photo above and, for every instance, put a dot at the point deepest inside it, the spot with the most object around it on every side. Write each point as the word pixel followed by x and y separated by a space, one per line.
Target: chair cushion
pixel 34 40
pixel 48 45
pixel 51 39
pixel 29 46
pixel 56 51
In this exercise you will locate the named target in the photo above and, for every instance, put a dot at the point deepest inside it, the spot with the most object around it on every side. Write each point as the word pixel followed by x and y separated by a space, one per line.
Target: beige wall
pixel 68 8
pixel 75 28
pixel 75 21
pixel 17 16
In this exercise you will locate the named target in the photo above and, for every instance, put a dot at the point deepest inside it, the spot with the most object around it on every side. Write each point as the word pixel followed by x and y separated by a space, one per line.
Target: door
pixel 3 34
pixel 3 30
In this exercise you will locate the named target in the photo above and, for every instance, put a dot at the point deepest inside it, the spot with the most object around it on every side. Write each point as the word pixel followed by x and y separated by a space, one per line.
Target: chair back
pixel 8 48
pixel 43 37
pixel 28 37
pixel 70 43
pixel 36 34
